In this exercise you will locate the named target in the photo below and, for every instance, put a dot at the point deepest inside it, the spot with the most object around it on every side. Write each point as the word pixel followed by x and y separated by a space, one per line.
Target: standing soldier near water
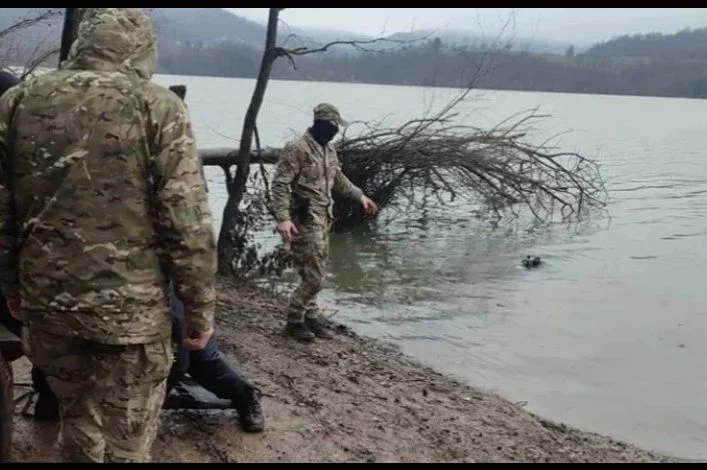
pixel 102 203
pixel 307 173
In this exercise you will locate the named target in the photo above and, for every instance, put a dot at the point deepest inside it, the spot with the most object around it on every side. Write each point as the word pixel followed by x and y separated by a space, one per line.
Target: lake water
pixel 608 335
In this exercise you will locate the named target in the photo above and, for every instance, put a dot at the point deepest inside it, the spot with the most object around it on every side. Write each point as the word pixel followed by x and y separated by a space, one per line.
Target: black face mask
pixel 323 131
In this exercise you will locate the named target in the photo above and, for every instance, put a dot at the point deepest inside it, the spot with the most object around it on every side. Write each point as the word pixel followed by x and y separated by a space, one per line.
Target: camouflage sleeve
pixel 286 171
pixel 9 262
pixel 344 187
pixel 183 217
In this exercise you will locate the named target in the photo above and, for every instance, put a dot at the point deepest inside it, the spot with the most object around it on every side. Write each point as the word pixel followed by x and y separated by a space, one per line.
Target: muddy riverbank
pixel 350 399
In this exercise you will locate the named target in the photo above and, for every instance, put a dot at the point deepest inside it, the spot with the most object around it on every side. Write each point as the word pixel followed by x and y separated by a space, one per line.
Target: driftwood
pixel 227 156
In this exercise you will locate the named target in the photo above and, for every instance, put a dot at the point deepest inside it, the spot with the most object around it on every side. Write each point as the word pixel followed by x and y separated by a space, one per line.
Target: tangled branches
pixel 247 263
pixel 497 167
pixel 28 52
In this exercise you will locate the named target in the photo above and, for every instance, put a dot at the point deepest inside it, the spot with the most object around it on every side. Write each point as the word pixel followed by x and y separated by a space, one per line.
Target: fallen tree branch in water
pixel 498 168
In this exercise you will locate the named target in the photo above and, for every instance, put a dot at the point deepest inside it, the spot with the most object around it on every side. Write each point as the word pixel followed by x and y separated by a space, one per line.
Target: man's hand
pixel 196 342
pixel 14 305
pixel 287 231
pixel 369 206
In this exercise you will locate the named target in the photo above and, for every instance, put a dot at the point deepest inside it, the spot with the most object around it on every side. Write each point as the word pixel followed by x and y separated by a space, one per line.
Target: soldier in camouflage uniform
pixel 307 173
pixel 102 203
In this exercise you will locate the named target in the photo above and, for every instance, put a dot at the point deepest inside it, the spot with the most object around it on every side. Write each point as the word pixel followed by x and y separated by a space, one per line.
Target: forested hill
pixel 650 65
pixel 211 41
pixel 685 45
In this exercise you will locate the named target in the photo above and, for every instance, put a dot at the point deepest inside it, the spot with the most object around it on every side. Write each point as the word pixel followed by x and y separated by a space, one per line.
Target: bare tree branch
pixel 290 53
pixel 36 61
pixel 16 51
pixel 300 51
pixel 30 21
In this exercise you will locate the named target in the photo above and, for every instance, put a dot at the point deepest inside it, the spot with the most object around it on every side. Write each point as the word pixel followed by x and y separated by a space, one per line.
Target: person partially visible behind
pixel 210 369
pixel 102 204
pixel 307 174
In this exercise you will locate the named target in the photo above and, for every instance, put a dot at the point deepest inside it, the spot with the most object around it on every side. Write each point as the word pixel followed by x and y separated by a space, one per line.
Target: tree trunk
pixel 72 18
pixel 236 186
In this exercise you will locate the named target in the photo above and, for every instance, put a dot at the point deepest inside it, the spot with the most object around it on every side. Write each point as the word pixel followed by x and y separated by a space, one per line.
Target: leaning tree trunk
pixel 236 186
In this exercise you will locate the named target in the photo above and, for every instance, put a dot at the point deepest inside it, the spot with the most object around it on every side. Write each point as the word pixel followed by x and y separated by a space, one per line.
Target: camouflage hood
pixel 114 39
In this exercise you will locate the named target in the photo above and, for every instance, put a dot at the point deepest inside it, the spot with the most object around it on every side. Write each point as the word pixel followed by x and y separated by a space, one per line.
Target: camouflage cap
pixel 329 112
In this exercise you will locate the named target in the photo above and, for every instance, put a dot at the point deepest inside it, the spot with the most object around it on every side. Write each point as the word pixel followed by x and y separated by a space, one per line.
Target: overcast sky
pixel 580 25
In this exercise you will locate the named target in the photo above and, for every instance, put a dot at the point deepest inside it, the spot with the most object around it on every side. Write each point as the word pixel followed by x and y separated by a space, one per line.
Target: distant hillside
pixel 461 38
pixel 212 41
pixel 685 45
pixel 205 26
pixel 316 37
pixel 455 66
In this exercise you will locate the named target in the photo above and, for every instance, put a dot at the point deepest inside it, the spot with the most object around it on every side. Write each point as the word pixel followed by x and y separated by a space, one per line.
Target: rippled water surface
pixel 608 335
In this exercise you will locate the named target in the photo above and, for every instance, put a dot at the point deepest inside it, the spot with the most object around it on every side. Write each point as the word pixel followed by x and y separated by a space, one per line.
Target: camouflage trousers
pixel 310 254
pixel 109 396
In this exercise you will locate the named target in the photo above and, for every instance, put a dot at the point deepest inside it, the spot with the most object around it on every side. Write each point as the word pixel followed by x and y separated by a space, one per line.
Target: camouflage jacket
pixel 102 197
pixel 306 175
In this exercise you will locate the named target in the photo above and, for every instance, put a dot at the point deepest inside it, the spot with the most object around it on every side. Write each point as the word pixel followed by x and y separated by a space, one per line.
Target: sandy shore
pixel 350 399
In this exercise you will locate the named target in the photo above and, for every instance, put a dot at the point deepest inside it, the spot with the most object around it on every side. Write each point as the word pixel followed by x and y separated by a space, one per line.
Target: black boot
pixel 250 412
pixel 299 331
pixel 316 326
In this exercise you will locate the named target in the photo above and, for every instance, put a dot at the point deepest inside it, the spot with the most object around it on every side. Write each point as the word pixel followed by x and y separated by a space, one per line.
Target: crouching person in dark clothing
pixel 208 367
